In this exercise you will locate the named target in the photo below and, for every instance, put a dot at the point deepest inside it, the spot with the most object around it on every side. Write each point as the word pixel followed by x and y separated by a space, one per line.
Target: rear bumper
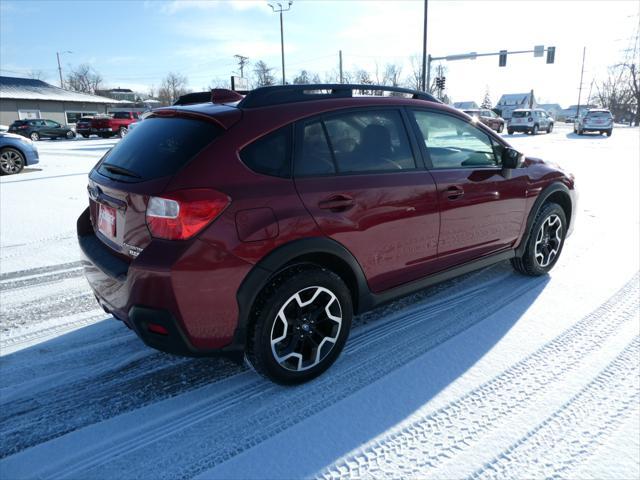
pixel 520 128
pixel 603 128
pixel 188 288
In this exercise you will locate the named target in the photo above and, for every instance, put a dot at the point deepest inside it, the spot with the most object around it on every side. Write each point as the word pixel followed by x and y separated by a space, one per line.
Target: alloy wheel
pixel 11 162
pixel 548 240
pixel 306 328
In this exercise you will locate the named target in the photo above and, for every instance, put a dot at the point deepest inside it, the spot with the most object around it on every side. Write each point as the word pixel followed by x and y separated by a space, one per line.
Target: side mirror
pixel 511 158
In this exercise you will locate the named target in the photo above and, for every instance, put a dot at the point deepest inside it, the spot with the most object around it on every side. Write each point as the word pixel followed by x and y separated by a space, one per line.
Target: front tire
pixel 500 128
pixel 550 128
pixel 509 131
pixel 534 131
pixel 545 242
pixel 70 135
pixel 301 322
pixel 609 132
pixel 11 161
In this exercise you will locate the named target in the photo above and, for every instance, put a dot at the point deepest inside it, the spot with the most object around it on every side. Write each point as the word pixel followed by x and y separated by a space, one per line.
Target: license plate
pixel 107 221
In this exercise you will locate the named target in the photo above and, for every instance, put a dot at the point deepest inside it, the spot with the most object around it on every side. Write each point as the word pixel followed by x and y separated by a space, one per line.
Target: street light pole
pixel 59 67
pixel 279 10
pixel 425 85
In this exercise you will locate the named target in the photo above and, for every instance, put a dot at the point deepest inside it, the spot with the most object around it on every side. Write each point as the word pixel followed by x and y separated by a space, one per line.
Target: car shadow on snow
pixel 385 401
pixel 104 370
pixel 587 136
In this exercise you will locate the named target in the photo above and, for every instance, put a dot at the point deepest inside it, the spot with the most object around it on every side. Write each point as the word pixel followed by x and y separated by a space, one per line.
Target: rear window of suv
pixel 157 148
pixel 599 115
pixel 522 114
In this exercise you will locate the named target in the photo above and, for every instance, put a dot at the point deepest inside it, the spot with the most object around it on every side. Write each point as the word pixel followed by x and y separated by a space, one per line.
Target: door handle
pixel 337 203
pixel 453 192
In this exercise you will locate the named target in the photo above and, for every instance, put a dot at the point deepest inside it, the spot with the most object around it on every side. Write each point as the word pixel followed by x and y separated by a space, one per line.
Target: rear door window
pixel 157 148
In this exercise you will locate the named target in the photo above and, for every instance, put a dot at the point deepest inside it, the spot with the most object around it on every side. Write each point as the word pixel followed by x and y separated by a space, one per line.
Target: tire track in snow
pixel 32 421
pixel 572 433
pixel 434 439
pixel 34 272
pixel 261 418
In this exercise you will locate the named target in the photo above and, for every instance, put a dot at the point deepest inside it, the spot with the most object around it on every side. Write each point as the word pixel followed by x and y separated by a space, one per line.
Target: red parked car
pixel 258 228
pixel 115 124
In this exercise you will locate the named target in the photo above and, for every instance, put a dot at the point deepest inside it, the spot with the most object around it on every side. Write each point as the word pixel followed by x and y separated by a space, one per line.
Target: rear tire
pixel 500 128
pixel 84 135
pixel 534 131
pixel 545 242
pixel 609 132
pixel 122 132
pixel 509 131
pixel 301 322
pixel 35 136
pixel 550 128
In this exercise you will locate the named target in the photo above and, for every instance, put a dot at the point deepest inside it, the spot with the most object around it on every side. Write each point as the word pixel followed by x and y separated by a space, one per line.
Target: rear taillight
pixel 23 127
pixel 180 215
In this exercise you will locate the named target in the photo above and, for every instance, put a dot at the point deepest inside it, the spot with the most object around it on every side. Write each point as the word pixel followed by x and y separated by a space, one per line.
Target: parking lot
pixel 492 374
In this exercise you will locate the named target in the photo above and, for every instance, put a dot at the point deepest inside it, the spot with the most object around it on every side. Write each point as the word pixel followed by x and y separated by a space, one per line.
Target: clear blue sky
pixel 135 43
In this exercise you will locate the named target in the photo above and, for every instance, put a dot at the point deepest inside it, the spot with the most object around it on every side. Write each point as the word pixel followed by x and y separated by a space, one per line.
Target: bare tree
pixel 37 74
pixel 173 87
pixel 392 74
pixel 84 78
pixel 634 87
pixel 151 93
pixel 302 78
pixel 263 74
pixel 414 79
pixel 614 92
pixel 219 83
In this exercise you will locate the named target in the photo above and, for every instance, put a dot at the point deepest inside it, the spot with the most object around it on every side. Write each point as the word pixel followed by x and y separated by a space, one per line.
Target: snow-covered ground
pixel 491 375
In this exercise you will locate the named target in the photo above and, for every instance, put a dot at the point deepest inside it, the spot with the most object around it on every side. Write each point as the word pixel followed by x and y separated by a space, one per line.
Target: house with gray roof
pixel 22 98
pixel 512 101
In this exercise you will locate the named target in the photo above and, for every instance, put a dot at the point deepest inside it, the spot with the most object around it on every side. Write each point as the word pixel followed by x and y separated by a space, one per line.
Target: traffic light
pixel 551 54
pixel 440 81
pixel 502 61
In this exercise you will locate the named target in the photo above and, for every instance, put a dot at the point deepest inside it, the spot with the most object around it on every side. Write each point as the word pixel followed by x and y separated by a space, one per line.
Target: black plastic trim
pixel 542 197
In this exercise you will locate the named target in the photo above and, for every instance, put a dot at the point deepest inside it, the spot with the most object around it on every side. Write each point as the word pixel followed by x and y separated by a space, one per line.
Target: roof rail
pixel 275 95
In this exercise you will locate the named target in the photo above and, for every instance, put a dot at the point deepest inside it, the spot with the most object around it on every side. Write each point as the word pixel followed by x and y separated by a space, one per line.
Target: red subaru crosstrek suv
pixel 257 226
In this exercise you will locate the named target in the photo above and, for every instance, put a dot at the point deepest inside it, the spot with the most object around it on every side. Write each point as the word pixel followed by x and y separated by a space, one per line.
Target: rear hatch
pixel 138 167
pixel 521 117
pixel 598 119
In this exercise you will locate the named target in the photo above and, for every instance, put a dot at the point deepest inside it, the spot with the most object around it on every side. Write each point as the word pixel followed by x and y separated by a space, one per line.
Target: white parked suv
pixel 594 120
pixel 529 121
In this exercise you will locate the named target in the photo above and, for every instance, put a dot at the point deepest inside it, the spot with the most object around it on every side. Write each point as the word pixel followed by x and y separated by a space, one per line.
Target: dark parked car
pixel 259 227
pixel 83 127
pixel 488 117
pixel 16 152
pixel 35 129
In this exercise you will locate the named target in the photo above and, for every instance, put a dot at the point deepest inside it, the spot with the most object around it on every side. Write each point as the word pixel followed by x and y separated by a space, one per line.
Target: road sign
pixel 239 83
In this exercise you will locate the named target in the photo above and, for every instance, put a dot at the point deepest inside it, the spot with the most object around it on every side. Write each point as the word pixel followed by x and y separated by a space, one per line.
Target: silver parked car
pixel 530 120
pixel 594 120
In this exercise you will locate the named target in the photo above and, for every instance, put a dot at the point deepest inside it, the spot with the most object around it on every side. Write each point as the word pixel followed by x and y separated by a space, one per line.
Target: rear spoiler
pixel 216 95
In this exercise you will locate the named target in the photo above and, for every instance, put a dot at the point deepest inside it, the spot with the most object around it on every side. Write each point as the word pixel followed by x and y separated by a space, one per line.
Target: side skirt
pixel 373 300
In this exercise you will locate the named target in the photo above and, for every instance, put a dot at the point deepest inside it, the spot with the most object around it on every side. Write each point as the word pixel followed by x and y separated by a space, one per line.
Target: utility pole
pixel 242 61
pixel 341 78
pixel 59 67
pixel 279 10
pixel 425 79
pixel 584 52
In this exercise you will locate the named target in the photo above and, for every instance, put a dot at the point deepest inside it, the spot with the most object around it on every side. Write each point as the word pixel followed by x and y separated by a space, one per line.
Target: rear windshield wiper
pixel 120 170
